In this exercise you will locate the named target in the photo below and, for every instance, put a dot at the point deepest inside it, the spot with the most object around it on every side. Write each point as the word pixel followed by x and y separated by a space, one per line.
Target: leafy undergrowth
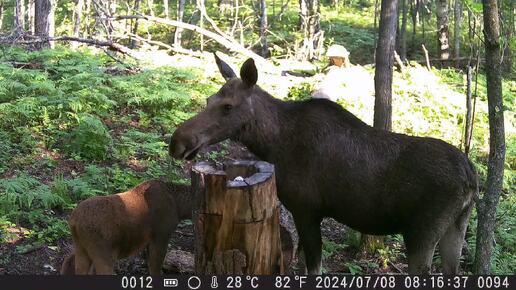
pixel 75 124
pixel 82 125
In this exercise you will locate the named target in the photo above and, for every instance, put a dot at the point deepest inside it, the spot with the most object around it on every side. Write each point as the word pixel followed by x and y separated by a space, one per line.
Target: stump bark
pixel 236 219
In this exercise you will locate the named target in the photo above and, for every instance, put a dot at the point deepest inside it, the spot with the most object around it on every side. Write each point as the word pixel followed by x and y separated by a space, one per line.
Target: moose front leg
pixel 309 230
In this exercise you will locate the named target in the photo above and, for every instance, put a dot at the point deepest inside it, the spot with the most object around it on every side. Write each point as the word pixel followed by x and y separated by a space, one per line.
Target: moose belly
pixel 372 212
pixel 369 222
pixel 133 241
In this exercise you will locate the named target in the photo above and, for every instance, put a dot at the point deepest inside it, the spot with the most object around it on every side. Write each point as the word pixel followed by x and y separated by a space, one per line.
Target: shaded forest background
pixel 91 90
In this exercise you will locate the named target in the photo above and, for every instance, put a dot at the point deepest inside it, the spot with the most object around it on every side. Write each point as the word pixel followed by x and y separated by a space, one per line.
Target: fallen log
pixel 111 45
pixel 263 64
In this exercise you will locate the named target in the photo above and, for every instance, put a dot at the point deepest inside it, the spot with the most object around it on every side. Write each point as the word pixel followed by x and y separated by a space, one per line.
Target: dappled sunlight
pixel 12 234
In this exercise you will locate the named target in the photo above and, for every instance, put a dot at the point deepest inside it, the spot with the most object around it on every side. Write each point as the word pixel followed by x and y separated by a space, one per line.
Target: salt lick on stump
pixel 236 218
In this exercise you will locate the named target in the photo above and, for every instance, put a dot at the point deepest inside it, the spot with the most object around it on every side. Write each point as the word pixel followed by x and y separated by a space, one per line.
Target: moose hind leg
pixel 450 245
pixel 310 237
pixel 420 250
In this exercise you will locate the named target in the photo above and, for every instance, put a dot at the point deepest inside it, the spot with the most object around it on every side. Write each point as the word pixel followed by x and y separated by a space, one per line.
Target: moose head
pixel 226 113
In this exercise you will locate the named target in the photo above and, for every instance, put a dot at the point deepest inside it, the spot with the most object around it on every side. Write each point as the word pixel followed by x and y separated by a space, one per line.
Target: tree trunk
pixel 457 15
pixel 303 15
pixel 384 62
pixel 309 19
pixel 415 4
pixel 165 8
pixel 403 30
pixel 508 52
pixel 150 6
pixel 375 23
pixel 1 16
pixel 200 6
pixel 19 15
pixel 135 24
pixel 486 207
pixel 31 20
pixel 78 15
pixel 263 28
pixel 179 30
pixel 87 18
pixel 44 20
pixel 236 219
pixel 383 87
pixel 443 23
pixel 468 123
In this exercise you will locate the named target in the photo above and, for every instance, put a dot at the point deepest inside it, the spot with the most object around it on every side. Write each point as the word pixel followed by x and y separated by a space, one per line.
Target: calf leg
pixel 450 245
pixel 82 261
pixel 68 266
pixel 103 260
pixel 309 230
pixel 157 251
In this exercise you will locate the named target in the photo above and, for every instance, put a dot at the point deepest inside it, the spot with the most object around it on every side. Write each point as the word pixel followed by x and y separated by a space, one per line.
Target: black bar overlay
pixel 249 282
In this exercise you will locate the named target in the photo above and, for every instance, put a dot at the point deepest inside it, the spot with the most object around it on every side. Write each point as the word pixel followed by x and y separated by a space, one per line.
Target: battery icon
pixel 170 283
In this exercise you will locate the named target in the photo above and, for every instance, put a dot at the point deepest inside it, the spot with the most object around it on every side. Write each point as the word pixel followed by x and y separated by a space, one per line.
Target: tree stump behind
pixel 236 219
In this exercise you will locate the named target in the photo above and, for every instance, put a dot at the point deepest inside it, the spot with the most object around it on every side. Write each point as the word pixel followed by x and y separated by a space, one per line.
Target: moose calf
pixel 107 228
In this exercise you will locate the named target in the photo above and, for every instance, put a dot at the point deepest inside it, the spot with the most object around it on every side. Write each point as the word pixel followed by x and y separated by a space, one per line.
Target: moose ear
pixel 226 71
pixel 248 73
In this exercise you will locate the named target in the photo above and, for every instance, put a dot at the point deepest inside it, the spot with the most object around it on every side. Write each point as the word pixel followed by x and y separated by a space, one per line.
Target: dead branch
pixel 426 57
pixel 24 65
pixel 399 62
pixel 202 8
pixel 230 44
pixel 105 43
pixel 164 45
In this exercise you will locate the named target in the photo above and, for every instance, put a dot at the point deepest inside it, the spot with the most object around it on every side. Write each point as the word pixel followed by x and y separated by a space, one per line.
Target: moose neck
pixel 262 134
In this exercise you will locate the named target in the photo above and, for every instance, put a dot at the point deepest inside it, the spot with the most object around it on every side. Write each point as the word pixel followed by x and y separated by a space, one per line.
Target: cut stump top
pixel 251 172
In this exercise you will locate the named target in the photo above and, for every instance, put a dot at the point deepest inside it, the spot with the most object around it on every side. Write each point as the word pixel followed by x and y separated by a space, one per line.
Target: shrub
pixel 90 139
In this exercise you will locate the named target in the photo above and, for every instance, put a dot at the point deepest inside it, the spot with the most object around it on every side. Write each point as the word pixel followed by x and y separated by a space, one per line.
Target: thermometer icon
pixel 214 283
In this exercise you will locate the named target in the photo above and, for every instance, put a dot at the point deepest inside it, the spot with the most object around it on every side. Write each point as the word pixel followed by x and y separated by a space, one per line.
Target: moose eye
pixel 227 108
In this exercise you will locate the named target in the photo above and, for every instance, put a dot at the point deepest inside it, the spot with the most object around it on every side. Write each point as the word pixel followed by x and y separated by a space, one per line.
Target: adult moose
pixel 331 164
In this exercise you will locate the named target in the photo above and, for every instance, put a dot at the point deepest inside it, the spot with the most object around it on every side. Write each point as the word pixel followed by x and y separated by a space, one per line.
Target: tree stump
pixel 236 219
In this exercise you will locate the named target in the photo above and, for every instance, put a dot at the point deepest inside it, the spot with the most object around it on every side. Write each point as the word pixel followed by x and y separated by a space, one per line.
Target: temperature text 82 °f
pixel 286 282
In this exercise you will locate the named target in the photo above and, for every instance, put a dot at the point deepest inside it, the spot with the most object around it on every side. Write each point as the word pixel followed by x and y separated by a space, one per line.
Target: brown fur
pixel 107 228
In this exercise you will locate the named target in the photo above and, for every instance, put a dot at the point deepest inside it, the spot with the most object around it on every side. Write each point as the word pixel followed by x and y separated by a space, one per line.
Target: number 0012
pixel 134 282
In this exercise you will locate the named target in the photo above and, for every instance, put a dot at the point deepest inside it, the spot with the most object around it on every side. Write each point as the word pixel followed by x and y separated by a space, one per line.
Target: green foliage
pixel 53 230
pixel 79 126
pixel 329 248
pixel 301 92
pixel 504 256
pixel 352 28
pixel 26 193
pixel 90 139
pixel 139 144
pixel 353 268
